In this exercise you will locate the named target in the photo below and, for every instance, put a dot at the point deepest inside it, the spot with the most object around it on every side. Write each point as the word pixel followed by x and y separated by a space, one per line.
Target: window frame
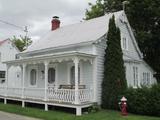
pixel 135 77
pixel 55 66
pixel 79 70
pixel 146 78
pixel 29 75
pixel 35 78
pixel 124 46
pixel 69 72
pixel 3 73
pixel 49 81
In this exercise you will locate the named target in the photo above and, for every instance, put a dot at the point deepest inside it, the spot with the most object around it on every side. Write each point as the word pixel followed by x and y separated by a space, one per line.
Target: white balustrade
pixel 85 95
pixel 59 95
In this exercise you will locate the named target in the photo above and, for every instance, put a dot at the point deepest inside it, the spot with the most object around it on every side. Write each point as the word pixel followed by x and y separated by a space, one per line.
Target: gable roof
pixel 3 41
pixel 87 31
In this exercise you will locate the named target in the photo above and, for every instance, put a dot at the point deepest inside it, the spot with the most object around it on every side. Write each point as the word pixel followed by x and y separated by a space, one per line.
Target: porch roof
pixel 56 57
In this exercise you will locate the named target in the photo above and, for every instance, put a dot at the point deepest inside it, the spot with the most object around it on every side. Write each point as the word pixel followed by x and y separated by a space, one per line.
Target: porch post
pixel 23 79
pixel 46 79
pixel 94 73
pixel 76 62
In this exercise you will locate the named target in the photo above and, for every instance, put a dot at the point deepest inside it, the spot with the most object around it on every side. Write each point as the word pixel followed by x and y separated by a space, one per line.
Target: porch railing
pixel 85 95
pixel 59 95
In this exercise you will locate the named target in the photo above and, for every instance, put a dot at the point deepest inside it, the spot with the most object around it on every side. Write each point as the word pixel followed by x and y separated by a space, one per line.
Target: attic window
pixel 124 43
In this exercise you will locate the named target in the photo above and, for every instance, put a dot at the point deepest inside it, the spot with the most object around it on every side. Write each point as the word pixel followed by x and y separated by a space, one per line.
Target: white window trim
pixel 55 66
pixel 137 82
pixel 127 42
pixel 71 64
pixel 29 76
pixel 146 77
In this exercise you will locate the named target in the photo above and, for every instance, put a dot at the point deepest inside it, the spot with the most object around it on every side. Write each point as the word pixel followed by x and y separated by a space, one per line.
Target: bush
pixel 94 108
pixel 144 101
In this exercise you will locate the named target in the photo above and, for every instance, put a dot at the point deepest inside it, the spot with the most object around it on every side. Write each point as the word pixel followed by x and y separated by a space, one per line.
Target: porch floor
pixel 46 103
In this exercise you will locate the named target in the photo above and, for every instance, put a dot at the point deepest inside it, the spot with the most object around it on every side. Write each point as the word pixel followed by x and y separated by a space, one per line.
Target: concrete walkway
pixel 10 116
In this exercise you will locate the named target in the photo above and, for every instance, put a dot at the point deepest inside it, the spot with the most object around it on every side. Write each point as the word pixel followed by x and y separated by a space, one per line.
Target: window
pixel 72 75
pixel 146 79
pixel 51 75
pixel 135 76
pixel 33 77
pixel 124 43
pixel 2 74
pixel 16 56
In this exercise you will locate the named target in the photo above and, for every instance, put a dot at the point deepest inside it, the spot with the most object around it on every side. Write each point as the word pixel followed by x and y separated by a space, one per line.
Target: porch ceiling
pixel 57 57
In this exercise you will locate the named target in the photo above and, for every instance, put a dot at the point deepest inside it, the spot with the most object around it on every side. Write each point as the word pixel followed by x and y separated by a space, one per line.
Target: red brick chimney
pixel 55 23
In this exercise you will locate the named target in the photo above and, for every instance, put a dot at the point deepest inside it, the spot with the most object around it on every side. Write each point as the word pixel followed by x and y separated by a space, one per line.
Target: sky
pixel 37 15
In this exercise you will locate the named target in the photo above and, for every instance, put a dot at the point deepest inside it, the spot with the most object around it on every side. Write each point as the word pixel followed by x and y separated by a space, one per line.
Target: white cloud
pixel 37 14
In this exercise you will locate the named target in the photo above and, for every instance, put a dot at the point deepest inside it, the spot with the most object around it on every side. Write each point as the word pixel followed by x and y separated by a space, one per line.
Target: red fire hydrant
pixel 123 106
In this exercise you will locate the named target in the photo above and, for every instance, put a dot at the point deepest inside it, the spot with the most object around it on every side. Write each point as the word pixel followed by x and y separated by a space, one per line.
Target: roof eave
pixel 56 48
pixel 73 53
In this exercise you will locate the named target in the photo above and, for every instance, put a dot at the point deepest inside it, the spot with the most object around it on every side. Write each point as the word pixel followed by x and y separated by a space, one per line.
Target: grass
pixel 59 115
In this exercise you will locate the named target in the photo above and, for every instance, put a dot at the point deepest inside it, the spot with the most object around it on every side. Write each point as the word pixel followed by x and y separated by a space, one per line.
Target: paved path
pixel 10 116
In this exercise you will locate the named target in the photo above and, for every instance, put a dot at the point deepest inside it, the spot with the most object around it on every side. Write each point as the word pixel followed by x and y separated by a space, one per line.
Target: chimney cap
pixel 55 17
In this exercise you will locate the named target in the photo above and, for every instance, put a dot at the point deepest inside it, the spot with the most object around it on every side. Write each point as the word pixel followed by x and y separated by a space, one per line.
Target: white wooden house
pixel 8 52
pixel 65 67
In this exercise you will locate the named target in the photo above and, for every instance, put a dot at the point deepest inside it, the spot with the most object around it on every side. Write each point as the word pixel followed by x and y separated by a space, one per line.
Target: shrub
pixel 145 101
pixel 94 108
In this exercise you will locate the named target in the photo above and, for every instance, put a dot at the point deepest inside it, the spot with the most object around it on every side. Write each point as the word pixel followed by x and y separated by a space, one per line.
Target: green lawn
pixel 57 115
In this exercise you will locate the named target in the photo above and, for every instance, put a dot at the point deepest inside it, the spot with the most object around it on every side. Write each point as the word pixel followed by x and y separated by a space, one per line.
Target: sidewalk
pixel 10 116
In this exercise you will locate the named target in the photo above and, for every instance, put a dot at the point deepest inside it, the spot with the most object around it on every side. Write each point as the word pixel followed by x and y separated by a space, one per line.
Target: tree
pixel 144 17
pixel 113 5
pixel 96 10
pixel 22 43
pixel 114 81
pixel 101 7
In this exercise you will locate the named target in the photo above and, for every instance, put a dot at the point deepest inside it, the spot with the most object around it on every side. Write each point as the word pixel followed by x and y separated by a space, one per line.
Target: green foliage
pixel 145 101
pixel 114 81
pixel 21 43
pixel 113 5
pixel 144 17
pixel 59 115
pixel 101 6
pixel 95 11
pixel 94 108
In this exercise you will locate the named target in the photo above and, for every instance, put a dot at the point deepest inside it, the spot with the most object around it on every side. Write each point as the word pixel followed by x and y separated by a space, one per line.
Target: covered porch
pixel 66 79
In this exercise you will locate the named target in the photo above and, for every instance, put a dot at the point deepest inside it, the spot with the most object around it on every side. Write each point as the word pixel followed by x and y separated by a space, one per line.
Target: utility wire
pixel 5 22
pixel 25 29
